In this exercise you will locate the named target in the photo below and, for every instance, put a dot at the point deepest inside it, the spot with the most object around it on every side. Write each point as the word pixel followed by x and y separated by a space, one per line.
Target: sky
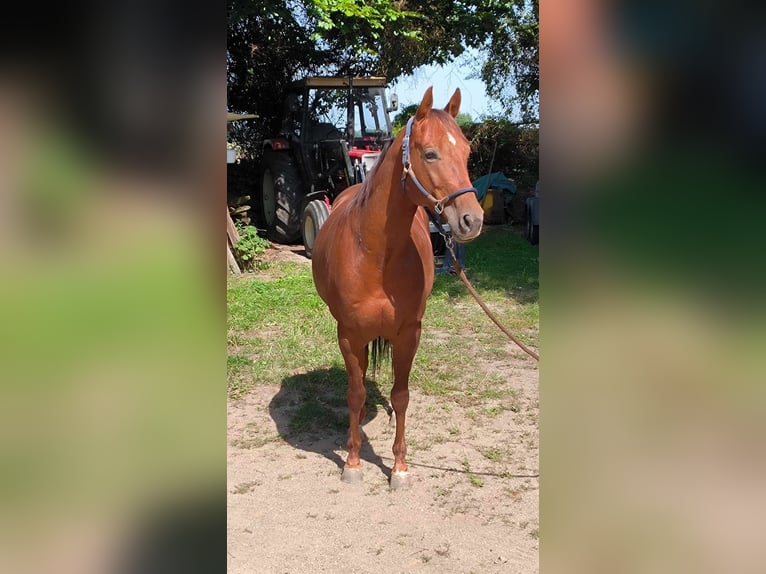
pixel 444 80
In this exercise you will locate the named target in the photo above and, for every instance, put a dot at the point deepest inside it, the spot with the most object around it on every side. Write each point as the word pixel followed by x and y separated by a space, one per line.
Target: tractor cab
pixel 332 133
pixel 338 126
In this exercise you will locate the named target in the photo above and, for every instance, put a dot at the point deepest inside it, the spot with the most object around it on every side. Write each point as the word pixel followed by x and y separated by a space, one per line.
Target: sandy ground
pixel 472 505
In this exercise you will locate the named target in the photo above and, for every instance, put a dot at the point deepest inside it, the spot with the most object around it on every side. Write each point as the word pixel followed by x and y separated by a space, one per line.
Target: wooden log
pixel 231 230
pixel 232 236
pixel 233 265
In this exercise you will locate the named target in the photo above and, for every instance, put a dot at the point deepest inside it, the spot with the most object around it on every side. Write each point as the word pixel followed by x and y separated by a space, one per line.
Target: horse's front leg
pixel 404 349
pixel 355 357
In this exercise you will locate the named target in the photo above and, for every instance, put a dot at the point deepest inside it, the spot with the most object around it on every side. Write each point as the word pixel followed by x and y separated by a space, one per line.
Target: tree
pixel 511 70
pixel 267 47
pixel 393 38
pixel 400 119
pixel 464 120
pixel 498 144
pixel 272 42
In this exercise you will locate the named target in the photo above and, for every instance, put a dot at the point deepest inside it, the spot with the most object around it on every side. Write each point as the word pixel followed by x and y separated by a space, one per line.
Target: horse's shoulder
pixel 346 195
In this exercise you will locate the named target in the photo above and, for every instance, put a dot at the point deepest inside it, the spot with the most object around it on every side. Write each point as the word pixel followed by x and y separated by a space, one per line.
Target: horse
pixel 373 263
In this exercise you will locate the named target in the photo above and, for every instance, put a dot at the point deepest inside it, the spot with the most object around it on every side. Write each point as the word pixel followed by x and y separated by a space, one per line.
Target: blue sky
pixel 445 79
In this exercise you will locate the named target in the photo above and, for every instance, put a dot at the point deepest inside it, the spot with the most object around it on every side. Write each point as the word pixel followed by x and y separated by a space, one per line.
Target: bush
pixel 251 247
pixel 516 154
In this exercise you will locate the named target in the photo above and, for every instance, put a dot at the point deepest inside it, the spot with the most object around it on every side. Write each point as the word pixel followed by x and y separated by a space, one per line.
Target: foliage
pixel 516 154
pixel 251 246
pixel 394 37
pixel 511 69
pixel 400 119
pixel 391 37
pixel 267 47
pixel 272 43
pixel 464 120
pixel 514 147
pixel 349 18
pixel 279 328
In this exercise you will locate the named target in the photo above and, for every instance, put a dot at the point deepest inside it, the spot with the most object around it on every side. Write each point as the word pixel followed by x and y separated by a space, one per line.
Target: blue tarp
pixel 496 180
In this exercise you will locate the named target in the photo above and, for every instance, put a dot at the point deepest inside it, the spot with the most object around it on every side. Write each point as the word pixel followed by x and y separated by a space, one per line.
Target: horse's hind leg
pixel 355 357
pixel 404 349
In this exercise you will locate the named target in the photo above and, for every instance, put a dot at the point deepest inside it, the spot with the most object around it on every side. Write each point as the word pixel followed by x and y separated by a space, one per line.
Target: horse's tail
pixel 381 352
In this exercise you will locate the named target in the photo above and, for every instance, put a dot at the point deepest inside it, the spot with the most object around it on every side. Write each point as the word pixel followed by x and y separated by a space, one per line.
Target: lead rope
pixel 480 301
pixel 439 208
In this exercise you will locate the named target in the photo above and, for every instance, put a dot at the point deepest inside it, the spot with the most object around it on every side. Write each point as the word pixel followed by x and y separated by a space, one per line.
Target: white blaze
pixel 451 139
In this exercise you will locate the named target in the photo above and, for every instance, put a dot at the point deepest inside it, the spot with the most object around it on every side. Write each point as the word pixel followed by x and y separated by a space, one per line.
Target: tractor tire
pixel 314 216
pixel 281 194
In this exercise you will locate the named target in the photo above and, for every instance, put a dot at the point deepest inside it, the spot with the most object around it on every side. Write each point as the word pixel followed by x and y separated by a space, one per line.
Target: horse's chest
pixel 405 294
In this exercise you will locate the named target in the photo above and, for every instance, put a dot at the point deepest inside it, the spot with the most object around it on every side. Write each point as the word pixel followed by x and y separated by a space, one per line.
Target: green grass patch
pixel 499 262
pixel 236 363
pixel 281 333
pixel 279 322
pixel 473 479
pixel 493 454
pixel 496 393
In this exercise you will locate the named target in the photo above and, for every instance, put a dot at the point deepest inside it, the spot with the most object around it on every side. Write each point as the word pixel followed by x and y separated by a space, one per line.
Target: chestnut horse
pixel 373 262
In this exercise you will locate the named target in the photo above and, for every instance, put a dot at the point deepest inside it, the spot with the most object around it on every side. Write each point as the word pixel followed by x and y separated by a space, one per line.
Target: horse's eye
pixel 431 155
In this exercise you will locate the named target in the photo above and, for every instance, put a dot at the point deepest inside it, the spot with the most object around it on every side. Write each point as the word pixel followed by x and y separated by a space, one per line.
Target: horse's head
pixel 435 152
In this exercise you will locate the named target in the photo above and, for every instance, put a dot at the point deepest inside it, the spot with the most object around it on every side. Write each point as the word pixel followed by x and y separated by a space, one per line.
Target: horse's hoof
pixel 400 480
pixel 351 474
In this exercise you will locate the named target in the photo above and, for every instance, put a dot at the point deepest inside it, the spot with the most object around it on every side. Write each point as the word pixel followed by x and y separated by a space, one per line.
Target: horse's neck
pixel 386 214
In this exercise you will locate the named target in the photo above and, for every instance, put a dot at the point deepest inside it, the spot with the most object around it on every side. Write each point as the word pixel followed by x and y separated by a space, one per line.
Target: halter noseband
pixel 439 204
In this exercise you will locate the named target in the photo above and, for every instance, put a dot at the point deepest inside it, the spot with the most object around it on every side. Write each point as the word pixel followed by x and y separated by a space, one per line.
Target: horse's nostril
pixel 469 223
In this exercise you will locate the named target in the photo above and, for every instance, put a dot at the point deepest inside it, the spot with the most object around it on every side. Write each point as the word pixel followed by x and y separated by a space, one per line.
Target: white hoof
pixel 400 480
pixel 351 474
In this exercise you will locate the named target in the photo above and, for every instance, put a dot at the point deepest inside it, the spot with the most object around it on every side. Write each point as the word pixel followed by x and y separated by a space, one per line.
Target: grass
pixel 504 269
pixel 276 326
pixel 493 454
pixel 245 487
pixel 280 332
pixel 475 481
pixel 472 478
pixel 499 263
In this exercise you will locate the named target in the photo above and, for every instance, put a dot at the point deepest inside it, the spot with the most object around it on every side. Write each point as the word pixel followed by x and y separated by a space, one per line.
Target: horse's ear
pixel 425 105
pixel 453 107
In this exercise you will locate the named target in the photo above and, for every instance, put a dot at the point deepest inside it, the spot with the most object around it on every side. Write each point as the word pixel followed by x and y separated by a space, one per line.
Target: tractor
pixel 333 131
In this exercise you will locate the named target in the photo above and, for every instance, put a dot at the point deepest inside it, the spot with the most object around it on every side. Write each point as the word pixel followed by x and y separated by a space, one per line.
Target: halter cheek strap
pixel 438 204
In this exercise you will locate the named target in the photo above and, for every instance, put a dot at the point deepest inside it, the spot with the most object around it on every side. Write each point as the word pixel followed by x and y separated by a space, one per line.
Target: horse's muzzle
pixel 468 226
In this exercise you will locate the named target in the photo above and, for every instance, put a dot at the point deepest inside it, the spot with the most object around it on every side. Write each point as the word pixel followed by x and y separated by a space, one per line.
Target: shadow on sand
pixel 311 414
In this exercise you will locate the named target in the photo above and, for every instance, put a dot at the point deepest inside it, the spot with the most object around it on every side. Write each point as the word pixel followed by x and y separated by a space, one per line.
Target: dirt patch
pixel 279 252
pixel 472 507
pixel 472 435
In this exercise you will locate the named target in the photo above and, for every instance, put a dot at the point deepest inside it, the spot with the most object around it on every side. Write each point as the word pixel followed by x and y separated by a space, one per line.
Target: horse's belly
pixel 366 307
pixel 383 317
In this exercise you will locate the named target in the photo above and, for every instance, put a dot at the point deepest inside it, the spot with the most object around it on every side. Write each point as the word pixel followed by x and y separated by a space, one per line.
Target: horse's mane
pixel 364 193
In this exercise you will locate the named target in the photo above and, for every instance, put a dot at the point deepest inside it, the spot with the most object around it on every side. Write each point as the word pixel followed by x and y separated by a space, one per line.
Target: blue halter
pixel 438 204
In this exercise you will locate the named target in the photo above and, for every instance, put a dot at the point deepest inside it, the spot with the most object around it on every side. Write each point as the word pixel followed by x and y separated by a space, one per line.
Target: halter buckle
pixel 438 207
